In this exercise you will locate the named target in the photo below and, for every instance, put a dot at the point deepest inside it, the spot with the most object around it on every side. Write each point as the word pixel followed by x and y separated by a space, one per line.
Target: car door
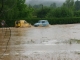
pixel 40 23
pixel 43 23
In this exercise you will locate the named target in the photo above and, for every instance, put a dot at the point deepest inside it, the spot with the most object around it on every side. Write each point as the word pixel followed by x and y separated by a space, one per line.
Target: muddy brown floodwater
pixel 56 42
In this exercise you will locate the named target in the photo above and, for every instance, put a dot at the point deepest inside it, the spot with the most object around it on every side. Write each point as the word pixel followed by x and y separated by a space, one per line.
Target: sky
pixel 32 2
pixel 47 2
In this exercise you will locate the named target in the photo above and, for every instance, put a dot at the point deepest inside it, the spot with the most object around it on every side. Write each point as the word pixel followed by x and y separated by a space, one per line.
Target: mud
pixel 56 42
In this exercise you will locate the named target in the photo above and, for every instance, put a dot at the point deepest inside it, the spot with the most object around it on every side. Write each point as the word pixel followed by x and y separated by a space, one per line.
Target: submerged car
pixel 22 23
pixel 42 23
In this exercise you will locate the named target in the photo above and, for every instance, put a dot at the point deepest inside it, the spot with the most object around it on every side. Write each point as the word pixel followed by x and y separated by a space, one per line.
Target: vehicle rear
pixel 22 23
pixel 17 24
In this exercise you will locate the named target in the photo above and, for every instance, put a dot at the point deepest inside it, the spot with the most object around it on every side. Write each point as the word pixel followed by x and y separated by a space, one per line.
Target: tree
pixel 60 12
pixel 69 4
pixel 41 13
pixel 7 10
pixel 77 13
pixel 14 9
pixel 77 5
pixel 53 5
pixel 39 6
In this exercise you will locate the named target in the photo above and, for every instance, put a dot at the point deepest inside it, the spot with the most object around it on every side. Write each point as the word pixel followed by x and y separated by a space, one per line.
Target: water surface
pixel 56 42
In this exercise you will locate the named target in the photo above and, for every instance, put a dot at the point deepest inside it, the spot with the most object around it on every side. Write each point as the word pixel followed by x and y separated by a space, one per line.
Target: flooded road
pixel 56 42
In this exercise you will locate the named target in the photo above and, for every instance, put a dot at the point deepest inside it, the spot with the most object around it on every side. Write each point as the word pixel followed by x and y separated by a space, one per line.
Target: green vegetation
pixel 56 20
pixel 11 10
pixel 52 21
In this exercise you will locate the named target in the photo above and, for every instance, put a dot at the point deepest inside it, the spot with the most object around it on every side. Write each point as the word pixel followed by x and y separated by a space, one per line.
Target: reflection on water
pixel 57 42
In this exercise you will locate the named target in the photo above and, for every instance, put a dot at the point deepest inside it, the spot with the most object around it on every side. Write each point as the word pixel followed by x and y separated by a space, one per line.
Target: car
pixel 42 23
pixel 22 23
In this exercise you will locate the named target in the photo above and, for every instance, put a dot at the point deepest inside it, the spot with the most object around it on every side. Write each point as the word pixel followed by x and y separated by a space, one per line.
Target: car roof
pixel 43 20
pixel 21 20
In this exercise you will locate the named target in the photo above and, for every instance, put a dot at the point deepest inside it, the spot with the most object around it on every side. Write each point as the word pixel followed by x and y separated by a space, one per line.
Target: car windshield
pixel 25 22
pixel 41 21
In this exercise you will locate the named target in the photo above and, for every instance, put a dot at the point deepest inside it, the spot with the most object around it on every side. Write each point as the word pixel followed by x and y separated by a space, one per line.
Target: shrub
pixel 52 21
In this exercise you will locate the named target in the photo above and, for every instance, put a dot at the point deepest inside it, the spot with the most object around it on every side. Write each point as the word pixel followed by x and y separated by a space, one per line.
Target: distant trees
pixel 69 4
pixel 43 12
pixel 77 5
pixel 77 9
pixel 38 6
pixel 66 10
pixel 53 5
pixel 17 9
pixel 60 12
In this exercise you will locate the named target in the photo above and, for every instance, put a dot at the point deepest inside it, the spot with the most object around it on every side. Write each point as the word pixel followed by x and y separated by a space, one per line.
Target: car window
pixel 43 21
pixel 25 22
pixel 17 22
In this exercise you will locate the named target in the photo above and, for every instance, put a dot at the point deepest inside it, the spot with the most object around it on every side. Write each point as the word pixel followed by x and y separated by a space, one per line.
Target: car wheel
pixel 36 25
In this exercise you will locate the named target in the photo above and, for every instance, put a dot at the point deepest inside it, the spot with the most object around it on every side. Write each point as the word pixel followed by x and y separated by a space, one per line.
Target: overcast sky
pixel 47 0
pixel 44 0
pixel 58 2
pixel 33 2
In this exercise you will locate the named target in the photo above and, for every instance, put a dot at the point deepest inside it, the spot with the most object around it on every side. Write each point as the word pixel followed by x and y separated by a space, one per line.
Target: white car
pixel 42 23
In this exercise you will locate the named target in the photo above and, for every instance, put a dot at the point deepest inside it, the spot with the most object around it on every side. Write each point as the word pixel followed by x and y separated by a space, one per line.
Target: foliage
pixel 39 6
pixel 60 12
pixel 69 4
pixel 69 20
pixel 77 5
pixel 41 13
pixel 53 5
pixel 66 20
pixel 77 13
pixel 14 9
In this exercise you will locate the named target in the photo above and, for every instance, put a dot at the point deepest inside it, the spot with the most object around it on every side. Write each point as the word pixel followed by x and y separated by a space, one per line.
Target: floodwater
pixel 56 42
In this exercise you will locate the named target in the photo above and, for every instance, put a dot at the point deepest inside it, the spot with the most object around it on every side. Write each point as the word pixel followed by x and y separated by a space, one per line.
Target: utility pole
pixel 1 10
pixel 2 7
pixel 42 10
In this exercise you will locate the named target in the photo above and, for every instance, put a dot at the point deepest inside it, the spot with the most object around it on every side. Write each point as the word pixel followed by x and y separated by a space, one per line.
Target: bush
pixel 56 20
pixel 51 20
